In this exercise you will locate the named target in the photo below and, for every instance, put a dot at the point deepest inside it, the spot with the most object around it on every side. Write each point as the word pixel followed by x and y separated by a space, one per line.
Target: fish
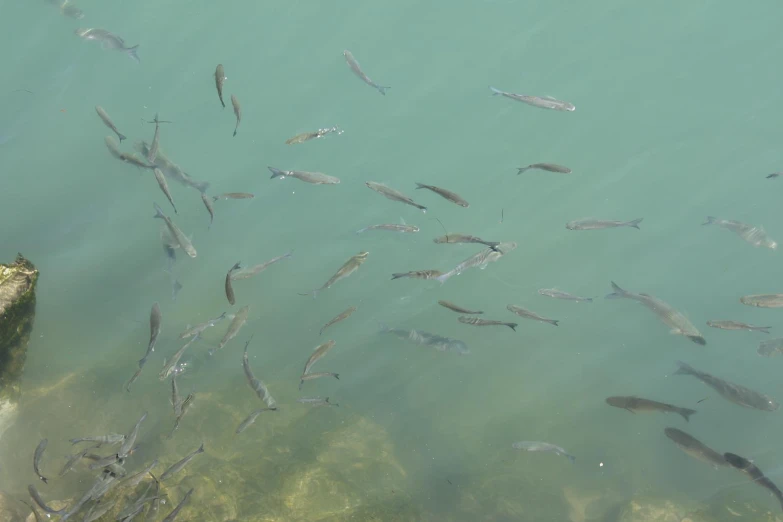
pixel 175 399
pixel 164 187
pixel 357 70
pixel 195 330
pixel 679 324
pixel 755 236
pixel 233 329
pixel 71 11
pixel 130 440
pixel 258 386
pixel 153 152
pixel 763 300
pixel 237 112
pixel 637 404
pixel 419 274
pixel 695 448
pixel 542 446
pixel 176 233
pixel 41 504
pixel 480 260
pixel 348 268
pixel 730 391
pixel 245 273
pixel 210 208
pixel 103 462
pixel 107 121
pixel 98 510
pixel 170 366
pixel 170 169
pixel 229 289
pixel 39 451
pixel 391 227
pixel 754 473
pixel 446 194
pixel 459 309
pixel 101 486
pixel 234 195
pixel 317 375
pixel 462 238
pixel 599 224
pixel 109 41
pixel 545 102
pixel 155 319
pixel 316 178
pixel 393 194
pixel 176 286
pixel 316 401
pixel 135 479
pixel 770 347
pixel 521 312
pixel 307 136
pixel 73 459
pixel 735 325
pixel 36 514
pixel 171 516
pixel 549 167
pixel 181 410
pixel 111 438
pixel 220 77
pixel 422 338
pixel 177 467
pixel 318 352
pixel 475 321
pixel 251 419
pixel 340 317
pixel 557 294
pixel 114 150
pixel 774 175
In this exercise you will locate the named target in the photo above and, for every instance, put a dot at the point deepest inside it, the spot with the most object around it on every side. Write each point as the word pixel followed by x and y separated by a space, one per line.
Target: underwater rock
pixel 11 510
pixel 661 510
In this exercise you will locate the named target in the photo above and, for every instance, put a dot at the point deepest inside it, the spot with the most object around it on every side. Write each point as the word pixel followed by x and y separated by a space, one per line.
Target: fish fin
pixel 158 211
pixel 276 173
pixel 710 221
pixel 513 326
pixel 382 89
pixel 617 293
pixel 495 92
pixel 133 53
pixel 764 329
pixel 684 369
pixel 635 223
pixel 121 137
pixel 337 376
pixel 402 220
pixel 421 186
pixel 397 276
pixel 773 175
pixel 235 132
pixel 554 322
pixel 522 169
pixel 301 382
pixel 571 458
pixel 686 413
pixel 629 409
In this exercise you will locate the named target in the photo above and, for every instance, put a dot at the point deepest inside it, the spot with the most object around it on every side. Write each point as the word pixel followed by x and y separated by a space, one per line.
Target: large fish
pixel 730 391
pixel 257 385
pixel 755 236
pixel 422 338
pixel 108 41
pixel 637 404
pixel 678 323
pixel 393 194
pixel 230 289
pixel 480 260
pixel 763 300
pixel 695 448
pixel 357 70
pixel 176 233
pixel 545 102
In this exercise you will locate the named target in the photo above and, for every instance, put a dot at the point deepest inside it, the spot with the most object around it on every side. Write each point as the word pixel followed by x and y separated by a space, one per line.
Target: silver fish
pixel 316 401
pixel 245 273
pixel 195 330
pixel 462 238
pixel 107 121
pixel 771 347
pixel 557 294
pixel 111 438
pixel 422 338
pixel 171 516
pixel 307 136
pixel 230 289
pixel 459 309
pixel 170 169
pixel 108 41
pixel 233 329
pixel 135 480
pixel 348 268
pixel 446 194
pixel 177 467
pixel 39 451
pixel 392 227
pixel 736 325
pixel 258 386
pixel 130 440
pixel 549 167
pixel 180 410
pixel 251 419
pixel 155 319
pixel 480 260
pixel 393 194
pixel 234 195
pixel 755 236
pixel 41 504
pixel 418 274
pixel 210 207
pixel 527 314
pixel 181 238
pixel 73 459
pixel 763 300
pixel 695 448
pixel 316 178
pixel 170 366
pixel 220 78
pixel 153 152
pixel 730 391
pixel 357 70
pixel 237 112
pixel 542 446
pixel 600 224
pixel 319 352
pixel 340 317
pixel 476 321
pixel 679 324
pixel 316 375
pixel 637 404
pixel 68 9
pixel 545 102
pixel 164 187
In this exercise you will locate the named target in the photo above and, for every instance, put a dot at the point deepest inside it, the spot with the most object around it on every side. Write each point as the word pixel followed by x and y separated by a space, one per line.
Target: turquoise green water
pixel 675 120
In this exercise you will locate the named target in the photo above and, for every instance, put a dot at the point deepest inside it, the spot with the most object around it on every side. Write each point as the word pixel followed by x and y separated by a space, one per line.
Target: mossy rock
pixel 662 510
pixel 17 312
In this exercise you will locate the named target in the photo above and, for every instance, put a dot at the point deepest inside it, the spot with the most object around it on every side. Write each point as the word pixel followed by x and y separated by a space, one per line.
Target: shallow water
pixel 675 120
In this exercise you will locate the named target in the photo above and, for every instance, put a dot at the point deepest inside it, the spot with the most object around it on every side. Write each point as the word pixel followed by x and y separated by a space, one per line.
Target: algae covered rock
pixel 17 312
pixel 661 510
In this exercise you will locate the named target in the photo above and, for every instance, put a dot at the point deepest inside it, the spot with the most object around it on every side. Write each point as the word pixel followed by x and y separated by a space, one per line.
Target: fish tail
pixel 422 208
pixel 571 458
pixel 773 175
pixel 617 293
pixel 276 173
pixel 513 326
pixel 443 277
pixel 686 413
pixel 397 276
pixel 133 53
pixel 158 212
pixel 121 137
pixel 337 376
pixel 635 223
pixel 361 229
pixel 382 89
pixel 710 221
pixel 420 186
pixel 764 329
pixel 684 369
pixel 554 322
pixel 522 169
pixel 495 92
pixel 589 299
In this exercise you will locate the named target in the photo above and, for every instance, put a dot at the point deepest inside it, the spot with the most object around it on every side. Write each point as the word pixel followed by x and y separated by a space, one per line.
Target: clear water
pixel 676 120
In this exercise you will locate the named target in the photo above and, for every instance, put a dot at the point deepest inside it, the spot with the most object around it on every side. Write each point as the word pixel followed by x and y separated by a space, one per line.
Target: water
pixel 675 121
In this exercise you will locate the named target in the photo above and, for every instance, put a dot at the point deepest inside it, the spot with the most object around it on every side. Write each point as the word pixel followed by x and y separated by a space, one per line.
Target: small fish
pixel 316 401
pixel 735 325
pixel 103 462
pixel 459 309
pixel 111 438
pixel 71 11
pixel 317 375
pixel 527 314
pixel 774 175
pixel 348 268
pixel 258 386
pixel 419 274
pixel 176 233
pixel 462 238
pixel 152 154
pixel 181 410
pixel 245 273
pixel 171 516
pixel 210 208
pixel 237 112
pixel 133 379
pixel 36 514
pixel 549 167
pixel 234 195
pixel 220 77
pixel 771 347
pixel 318 352
pixel 307 136
pixel 763 300
pixel 98 510
pixel 195 330
pixel 135 480
pixel 755 236
pixel 542 446
pixel 546 102
pixel 107 121
pixel 475 321
pixel 422 338
pixel 233 329
pixel 109 41
pixel 170 169
pixel 170 366
pixel 130 440
pixel 155 319
pixel 41 504
pixel 73 459
pixel 340 317
pixel 393 194
pixel 182 463
pixel 316 178
pixel 754 473
pixel 557 294
pixel 39 451
pixel 695 448
pixel 730 391
pixel 599 224
pixel 480 260
pixel 251 419
pixel 446 194
pixel 357 70
pixel 229 289
pixel 164 187
pixel 176 286
pixel 637 404
pixel 391 227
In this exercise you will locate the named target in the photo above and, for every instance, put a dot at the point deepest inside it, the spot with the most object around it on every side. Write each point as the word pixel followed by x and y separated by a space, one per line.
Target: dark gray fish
pixel 171 516
pixel 527 314
pixel 220 77
pixel 316 401
pixel 695 448
pixel 730 391
pixel 41 504
pixel 36 514
pixel 422 338
pixel 549 167
pixel 107 121
pixel 251 419
pixel 754 473
pixel 39 451
pixel 529 445
pixel 229 289
pixel 258 386
pixel 341 317
pixel 130 440
pixel 234 195
pixel 237 112
pixel 736 325
pixel 181 411
pixel 637 404
pixel 176 468
pixel 155 319
pixel 73 459
pixel 394 195
pixel 102 462
pixel 446 194
pixel 459 309
pixel 475 321
pixel 317 375
pixel 357 70
pixel 418 274
pixel 111 438
pixel 462 238
pixel 545 102
pixel 133 379
pixel 164 187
